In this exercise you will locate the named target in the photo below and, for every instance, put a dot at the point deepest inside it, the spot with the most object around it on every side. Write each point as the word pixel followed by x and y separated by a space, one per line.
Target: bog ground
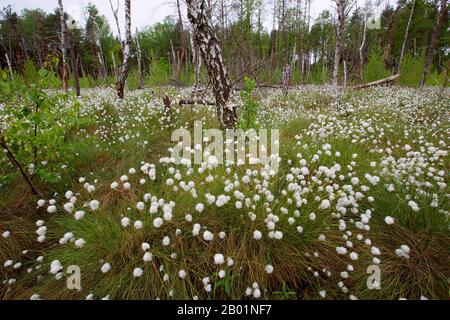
pixel 361 194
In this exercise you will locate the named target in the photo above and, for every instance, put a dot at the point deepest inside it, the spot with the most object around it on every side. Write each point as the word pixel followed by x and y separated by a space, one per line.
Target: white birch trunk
pixel 209 47
pixel 63 45
pixel 124 68
pixel 11 76
pixel 405 38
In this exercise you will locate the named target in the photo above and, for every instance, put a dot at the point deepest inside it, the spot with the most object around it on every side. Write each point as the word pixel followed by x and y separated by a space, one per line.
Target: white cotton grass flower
pixel 199 207
pixel 145 246
pixel 125 222
pixel 6 234
pixel 375 251
pixel 137 272
pixel 148 256
pixel 413 205
pixel 41 203
pixel 257 235
pixel 166 241
pixel 389 220
pixel 138 224
pixel 94 205
pixel 105 267
pixel 208 236
pixel 158 222
pixel 278 235
pixel 51 209
pixel 79 215
pixel 114 185
pixel 403 251
pixel 269 268
pixel 182 274
pixel 55 267
pixel 353 256
pixel 341 250
pixel 79 243
pixel 140 206
pixel 219 259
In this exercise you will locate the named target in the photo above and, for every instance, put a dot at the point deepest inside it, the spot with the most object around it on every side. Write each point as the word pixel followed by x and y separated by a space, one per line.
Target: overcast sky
pixel 143 12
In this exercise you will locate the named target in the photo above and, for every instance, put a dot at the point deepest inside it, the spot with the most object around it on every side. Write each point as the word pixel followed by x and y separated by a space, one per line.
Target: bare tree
pixel 441 17
pixel 390 37
pixel 115 11
pixel 8 62
pixel 63 45
pixel 209 47
pixel 363 42
pixel 139 60
pixel 286 78
pixel 124 68
pixel 196 61
pixel 341 7
pixel 114 64
pixel 182 49
pixel 405 37
pixel 74 58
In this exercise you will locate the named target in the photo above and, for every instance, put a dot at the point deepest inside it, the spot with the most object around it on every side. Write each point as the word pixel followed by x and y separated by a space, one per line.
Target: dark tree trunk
pixel 209 47
pixel 435 34
pixel 389 38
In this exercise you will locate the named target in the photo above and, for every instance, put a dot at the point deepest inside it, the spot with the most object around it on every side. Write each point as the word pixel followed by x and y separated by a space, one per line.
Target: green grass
pixel 295 258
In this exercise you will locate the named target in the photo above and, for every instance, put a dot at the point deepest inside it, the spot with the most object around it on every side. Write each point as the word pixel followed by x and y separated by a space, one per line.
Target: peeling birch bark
pixel 63 46
pixel 208 44
pixel 124 68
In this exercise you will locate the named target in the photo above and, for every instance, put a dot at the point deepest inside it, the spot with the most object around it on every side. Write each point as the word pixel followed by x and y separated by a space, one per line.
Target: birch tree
pixel 211 52
pixel 139 60
pixel 341 7
pixel 196 61
pixel 63 45
pixel 441 17
pixel 115 12
pixel 405 37
pixel 124 68
pixel 363 42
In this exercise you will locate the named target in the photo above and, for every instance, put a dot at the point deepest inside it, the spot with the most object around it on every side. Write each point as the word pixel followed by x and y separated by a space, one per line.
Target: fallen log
pixel 196 101
pixel 377 83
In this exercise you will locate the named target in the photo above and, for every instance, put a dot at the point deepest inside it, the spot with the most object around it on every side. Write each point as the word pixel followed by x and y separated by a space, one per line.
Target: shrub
pixel 375 67
pixel 411 71
pixel 247 118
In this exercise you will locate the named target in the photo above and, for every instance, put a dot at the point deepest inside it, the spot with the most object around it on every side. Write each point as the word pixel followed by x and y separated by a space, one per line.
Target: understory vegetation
pixel 362 185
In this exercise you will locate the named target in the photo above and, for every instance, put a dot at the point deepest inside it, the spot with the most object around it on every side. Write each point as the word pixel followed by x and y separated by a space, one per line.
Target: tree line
pixel 340 46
